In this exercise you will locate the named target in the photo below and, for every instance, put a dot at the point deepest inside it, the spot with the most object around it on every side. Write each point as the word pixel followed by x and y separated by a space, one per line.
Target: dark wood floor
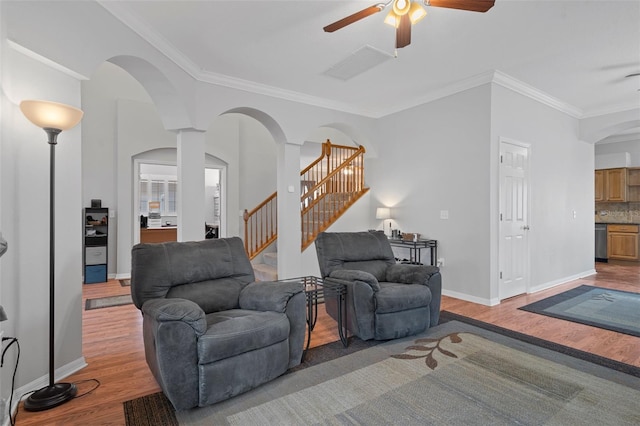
pixel 112 345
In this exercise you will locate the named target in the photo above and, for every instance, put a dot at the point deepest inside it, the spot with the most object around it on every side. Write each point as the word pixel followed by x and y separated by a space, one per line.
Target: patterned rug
pixel 456 373
pixel 613 310
pixel 107 302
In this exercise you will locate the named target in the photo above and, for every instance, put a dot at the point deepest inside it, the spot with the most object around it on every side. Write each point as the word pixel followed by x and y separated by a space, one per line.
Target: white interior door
pixel 514 215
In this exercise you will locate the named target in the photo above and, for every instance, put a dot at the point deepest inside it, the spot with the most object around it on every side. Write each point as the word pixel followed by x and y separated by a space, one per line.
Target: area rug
pixel 595 306
pixel 454 374
pixel 125 283
pixel 107 302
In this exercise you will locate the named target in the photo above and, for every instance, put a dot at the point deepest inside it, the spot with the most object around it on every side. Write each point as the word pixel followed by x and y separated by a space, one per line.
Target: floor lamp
pixel 53 118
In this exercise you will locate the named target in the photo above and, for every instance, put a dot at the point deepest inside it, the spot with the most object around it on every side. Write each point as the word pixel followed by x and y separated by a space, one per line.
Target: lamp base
pixel 50 396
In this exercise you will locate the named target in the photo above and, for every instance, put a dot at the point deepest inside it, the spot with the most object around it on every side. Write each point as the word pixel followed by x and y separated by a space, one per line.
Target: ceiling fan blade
pixel 403 32
pixel 472 5
pixel 354 18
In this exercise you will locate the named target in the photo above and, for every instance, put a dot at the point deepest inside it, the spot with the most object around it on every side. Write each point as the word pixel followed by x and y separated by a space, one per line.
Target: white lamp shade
pixel 53 115
pixel 383 213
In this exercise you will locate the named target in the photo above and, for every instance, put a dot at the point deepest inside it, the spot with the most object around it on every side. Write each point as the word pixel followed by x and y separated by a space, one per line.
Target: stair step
pixel 264 272
pixel 270 259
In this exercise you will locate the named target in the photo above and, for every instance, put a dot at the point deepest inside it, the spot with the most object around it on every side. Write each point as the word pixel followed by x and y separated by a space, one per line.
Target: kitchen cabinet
pixel 633 184
pixel 623 242
pixel 611 185
pixel 599 185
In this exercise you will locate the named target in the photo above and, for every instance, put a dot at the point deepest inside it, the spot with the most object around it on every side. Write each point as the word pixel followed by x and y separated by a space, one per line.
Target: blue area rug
pixel 613 310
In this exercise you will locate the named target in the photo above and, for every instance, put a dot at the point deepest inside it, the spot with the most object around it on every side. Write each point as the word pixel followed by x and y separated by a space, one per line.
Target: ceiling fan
pixel 405 13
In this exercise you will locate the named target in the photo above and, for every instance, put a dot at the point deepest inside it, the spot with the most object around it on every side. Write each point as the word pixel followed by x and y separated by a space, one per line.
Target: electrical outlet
pixel 440 262
pixel 444 214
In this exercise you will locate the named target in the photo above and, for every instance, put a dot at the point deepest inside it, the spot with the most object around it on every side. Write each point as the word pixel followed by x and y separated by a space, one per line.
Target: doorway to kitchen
pixel 155 193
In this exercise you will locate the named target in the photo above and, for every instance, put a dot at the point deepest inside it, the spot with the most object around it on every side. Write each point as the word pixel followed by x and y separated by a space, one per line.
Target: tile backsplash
pixel 617 213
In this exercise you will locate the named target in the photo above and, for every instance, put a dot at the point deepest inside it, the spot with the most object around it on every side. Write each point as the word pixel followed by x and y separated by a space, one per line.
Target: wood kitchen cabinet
pixel 599 185
pixel 623 242
pixel 611 185
pixel 633 184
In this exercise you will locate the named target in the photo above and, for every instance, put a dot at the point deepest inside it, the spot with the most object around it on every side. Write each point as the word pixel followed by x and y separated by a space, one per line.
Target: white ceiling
pixel 575 51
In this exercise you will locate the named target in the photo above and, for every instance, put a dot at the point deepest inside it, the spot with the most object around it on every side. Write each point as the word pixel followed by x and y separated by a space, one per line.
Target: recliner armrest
pixel 355 275
pixel 269 295
pixel 165 310
pixel 410 274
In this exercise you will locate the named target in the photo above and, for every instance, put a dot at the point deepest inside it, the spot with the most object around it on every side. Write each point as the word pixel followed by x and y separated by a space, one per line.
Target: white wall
pixel 24 222
pixel 258 162
pixel 436 157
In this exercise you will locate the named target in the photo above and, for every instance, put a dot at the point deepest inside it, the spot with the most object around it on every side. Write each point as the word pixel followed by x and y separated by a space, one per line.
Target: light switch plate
pixel 444 214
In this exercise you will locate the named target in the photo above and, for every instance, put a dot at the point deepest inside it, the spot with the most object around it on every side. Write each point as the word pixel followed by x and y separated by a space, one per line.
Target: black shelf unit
pixel 95 253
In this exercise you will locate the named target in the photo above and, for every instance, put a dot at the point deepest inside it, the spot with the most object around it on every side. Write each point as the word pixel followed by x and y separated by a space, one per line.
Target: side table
pixel 315 288
pixel 415 248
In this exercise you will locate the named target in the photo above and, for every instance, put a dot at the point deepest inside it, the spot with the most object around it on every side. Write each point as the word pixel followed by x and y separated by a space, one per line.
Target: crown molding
pixel 529 91
pixel 44 60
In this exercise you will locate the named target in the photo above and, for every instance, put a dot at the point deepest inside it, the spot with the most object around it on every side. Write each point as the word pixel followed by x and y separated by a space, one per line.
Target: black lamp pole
pixel 55 393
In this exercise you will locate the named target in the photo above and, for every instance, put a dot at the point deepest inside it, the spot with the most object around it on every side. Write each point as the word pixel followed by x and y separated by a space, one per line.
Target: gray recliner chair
pixel 384 300
pixel 210 332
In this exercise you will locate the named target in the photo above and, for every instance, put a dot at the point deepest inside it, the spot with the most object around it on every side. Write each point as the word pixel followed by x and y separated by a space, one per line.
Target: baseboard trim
pixel 469 298
pixel 60 373
pixel 554 283
pixel 123 276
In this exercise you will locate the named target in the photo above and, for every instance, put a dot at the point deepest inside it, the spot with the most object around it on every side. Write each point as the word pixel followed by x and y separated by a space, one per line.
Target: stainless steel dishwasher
pixel 601 242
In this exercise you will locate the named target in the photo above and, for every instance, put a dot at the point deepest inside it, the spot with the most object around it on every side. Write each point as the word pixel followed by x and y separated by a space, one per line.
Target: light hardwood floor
pixel 113 349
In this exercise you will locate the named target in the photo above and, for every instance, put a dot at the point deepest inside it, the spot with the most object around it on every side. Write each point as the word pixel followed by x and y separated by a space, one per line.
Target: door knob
pixel 525 227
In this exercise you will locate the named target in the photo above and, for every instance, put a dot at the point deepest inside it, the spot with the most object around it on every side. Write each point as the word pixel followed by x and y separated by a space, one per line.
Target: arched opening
pixel 155 191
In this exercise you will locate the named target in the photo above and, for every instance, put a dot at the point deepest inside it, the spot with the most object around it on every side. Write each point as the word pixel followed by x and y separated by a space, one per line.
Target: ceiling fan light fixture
pixel 416 12
pixel 392 19
pixel 401 7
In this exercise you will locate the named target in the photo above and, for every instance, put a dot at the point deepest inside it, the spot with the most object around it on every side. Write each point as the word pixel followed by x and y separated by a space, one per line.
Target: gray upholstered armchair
pixel 210 332
pixel 385 300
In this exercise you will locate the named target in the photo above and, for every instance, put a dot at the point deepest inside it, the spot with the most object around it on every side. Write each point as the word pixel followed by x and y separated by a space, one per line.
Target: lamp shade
pixel 383 213
pixel 51 115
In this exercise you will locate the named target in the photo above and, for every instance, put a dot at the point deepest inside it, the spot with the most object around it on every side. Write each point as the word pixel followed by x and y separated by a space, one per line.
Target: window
pixel 160 189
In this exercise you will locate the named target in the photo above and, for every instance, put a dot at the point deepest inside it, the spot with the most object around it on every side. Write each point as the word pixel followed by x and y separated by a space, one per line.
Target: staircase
pixel 328 186
pixel 268 270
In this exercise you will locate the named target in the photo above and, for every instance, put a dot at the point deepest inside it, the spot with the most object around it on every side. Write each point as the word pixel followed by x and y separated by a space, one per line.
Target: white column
pixel 190 163
pixel 289 233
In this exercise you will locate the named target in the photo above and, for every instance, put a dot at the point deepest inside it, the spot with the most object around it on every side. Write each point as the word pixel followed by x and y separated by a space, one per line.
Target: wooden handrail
pixel 261 226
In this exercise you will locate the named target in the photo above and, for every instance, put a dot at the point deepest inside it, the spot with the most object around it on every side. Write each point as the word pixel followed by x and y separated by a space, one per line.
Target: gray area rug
pixel 595 306
pixel 455 374
pixel 106 302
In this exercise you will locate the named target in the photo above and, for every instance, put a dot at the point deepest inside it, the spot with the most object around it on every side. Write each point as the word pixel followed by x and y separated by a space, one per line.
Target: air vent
pixel 358 62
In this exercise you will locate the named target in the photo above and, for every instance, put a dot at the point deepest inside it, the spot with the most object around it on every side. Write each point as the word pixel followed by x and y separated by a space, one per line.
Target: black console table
pixel 415 248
